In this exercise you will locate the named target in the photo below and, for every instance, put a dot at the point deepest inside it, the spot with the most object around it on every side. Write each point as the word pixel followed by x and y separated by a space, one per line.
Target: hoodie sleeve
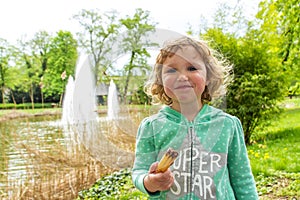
pixel 241 177
pixel 145 155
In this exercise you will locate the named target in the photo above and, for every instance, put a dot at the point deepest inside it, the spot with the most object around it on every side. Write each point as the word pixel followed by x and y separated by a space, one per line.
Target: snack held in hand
pixel 167 160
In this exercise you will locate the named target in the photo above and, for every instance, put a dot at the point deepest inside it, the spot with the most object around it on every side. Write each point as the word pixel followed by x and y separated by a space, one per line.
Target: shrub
pixel 117 185
pixel 8 106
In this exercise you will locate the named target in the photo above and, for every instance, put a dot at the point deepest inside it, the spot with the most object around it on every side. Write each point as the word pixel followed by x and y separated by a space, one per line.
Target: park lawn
pixel 275 157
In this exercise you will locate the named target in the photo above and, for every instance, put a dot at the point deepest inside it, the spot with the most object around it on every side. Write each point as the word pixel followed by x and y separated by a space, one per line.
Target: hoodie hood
pixel 204 115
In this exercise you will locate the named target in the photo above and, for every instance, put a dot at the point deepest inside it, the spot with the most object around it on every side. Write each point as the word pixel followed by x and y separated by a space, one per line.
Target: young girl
pixel 212 161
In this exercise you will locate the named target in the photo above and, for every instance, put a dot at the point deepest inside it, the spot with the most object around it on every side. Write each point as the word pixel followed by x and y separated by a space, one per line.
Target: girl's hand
pixel 154 182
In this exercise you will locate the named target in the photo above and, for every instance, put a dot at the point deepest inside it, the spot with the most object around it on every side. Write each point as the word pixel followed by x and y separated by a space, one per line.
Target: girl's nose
pixel 182 77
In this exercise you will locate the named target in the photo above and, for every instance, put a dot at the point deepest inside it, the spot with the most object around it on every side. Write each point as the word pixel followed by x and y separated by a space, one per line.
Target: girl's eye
pixel 192 68
pixel 170 70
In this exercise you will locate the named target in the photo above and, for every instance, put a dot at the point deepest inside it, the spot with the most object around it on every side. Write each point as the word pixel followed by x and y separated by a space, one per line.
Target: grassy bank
pixel 17 113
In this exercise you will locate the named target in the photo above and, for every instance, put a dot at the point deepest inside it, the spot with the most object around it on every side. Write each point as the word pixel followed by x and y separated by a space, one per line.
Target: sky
pixel 20 18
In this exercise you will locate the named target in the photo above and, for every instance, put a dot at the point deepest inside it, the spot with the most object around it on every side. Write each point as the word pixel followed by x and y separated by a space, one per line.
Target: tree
pixel 135 43
pixel 10 75
pixel 282 18
pixel 230 19
pixel 33 56
pixel 61 63
pixel 98 33
pixel 289 23
pixel 4 66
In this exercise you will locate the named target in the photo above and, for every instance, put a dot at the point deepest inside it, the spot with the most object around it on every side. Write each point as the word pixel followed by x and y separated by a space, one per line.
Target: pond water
pixel 30 147
pixel 18 134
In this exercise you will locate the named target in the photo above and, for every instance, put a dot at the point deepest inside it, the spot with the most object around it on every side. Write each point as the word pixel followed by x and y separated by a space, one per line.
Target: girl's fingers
pixel 153 167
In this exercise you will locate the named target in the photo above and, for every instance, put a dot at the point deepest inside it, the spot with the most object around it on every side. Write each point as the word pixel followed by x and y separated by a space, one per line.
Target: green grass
pixel 278 147
pixel 275 156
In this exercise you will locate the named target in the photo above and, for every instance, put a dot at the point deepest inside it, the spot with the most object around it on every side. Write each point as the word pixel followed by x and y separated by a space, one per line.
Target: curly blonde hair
pixel 218 72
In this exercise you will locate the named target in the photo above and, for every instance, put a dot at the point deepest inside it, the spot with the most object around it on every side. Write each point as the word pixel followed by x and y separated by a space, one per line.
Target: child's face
pixel 184 77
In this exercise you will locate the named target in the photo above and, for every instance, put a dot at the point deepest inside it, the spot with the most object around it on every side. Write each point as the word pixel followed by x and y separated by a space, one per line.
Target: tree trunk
pixel 13 98
pixel 3 100
pixel 128 77
pixel 31 96
pixel 42 96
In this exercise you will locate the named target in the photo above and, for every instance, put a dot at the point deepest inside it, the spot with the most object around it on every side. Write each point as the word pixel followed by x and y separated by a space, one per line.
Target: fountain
pixel 112 102
pixel 84 98
pixel 79 105
pixel 67 114
pixel 82 123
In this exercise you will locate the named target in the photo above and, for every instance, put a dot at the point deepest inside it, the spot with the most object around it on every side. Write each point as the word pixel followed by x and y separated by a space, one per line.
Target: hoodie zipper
pixel 191 133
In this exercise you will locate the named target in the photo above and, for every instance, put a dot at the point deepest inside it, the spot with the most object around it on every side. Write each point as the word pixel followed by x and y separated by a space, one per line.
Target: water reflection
pixel 38 158
pixel 38 133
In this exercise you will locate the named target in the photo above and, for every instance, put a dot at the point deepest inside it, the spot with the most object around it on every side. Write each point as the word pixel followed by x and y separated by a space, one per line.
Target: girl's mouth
pixel 183 87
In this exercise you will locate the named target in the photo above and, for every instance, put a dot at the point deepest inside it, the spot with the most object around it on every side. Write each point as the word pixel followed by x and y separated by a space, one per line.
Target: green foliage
pixel 252 96
pixel 117 185
pixel 279 25
pixel 290 31
pixel 98 34
pixel 294 90
pixel 61 63
pixel 279 184
pixel 25 106
pixel 31 60
pixel 37 64
pixel 140 97
pixel 10 76
pixel 265 58
pixel 134 44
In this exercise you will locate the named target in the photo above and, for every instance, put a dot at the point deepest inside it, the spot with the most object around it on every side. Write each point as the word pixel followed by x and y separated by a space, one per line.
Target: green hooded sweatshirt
pixel 212 162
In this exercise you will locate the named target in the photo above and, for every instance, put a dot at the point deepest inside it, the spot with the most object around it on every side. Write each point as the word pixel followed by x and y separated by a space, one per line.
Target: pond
pixel 41 157
pixel 16 136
